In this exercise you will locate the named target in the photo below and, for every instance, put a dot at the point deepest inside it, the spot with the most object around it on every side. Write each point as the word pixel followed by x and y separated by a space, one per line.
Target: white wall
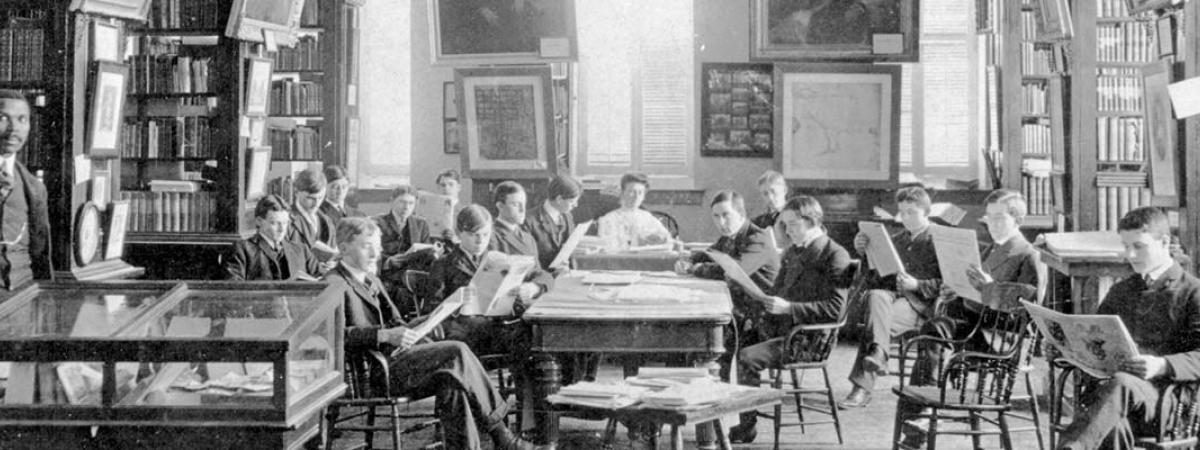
pixel 386 78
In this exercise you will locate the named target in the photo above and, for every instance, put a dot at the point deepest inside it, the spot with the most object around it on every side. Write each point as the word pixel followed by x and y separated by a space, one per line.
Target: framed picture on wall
pixel 258 86
pixel 118 222
pixel 507 32
pixel 256 176
pixel 125 9
pixel 1141 6
pixel 844 124
pixel 505 124
pixel 107 114
pixel 880 30
pixel 1160 130
pixel 736 105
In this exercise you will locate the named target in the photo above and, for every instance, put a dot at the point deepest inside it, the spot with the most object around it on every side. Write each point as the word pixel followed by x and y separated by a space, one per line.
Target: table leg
pixel 547 381
pixel 706 437
pixel 722 438
pixel 676 437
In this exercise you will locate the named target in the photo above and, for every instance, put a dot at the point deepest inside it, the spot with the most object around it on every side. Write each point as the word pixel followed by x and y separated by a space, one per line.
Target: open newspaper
pixel 734 272
pixel 881 253
pixel 495 281
pixel 439 315
pixel 437 210
pixel 1097 344
pixel 564 254
pixel 957 249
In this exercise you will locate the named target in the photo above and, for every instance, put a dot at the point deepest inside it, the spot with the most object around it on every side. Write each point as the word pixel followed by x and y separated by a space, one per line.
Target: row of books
pixel 1124 42
pixel 168 73
pixel 1038 194
pixel 296 98
pixel 1036 59
pixel 1112 8
pixel 169 137
pixel 987 14
pixel 1115 201
pixel 21 51
pixel 192 14
pixel 1119 139
pixel 1119 89
pixel 1033 95
pixel 281 186
pixel 171 211
pixel 1028 26
pixel 302 142
pixel 305 55
pixel 1036 138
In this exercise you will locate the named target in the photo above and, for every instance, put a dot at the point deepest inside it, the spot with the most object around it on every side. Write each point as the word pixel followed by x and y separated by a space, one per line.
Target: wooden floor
pixel 868 428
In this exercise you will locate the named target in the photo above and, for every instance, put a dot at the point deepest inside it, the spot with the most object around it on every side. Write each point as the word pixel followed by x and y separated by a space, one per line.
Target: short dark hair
pixel 471 218
pixel 808 208
pixel 635 177
pixel 334 173
pixel 564 186
pixel 739 204
pixel 448 173
pixel 352 227
pixel 403 189
pixel 1013 201
pixel 310 181
pixel 10 94
pixel 1148 219
pixel 269 204
pixel 916 195
pixel 505 189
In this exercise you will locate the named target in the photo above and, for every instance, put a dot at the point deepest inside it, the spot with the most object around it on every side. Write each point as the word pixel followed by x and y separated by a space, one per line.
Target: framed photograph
pixel 1164 29
pixel 107 114
pixel 106 41
pixel 736 104
pixel 100 189
pixel 258 86
pixel 118 222
pixel 451 143
pixel 502 32
pixel 1053 18
pixel 252 20
pixel 1141 6
pixel 1160 129
pixel 256 175
pixel 844 124
pixel 879 30
pixel 505 124
pixel 124 9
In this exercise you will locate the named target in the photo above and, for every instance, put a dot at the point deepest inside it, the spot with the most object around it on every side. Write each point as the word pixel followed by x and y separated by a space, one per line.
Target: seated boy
pixel 773 189
pixel 405 237
pixel 310 226
pixel 629 225
pixel 1160 305
pixel 897 303
pixel 551 222
pixel 268 255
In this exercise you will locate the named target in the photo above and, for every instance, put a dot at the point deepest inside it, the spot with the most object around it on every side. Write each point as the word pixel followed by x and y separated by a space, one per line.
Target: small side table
pixel 1086 297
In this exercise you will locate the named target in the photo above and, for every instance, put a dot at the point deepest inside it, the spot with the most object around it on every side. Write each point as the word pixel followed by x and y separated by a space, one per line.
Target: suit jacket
pixel 302 232
pixel 765 220
pixel 546 234
pixel 748 243
pixel 396 240
pixel 513 241
pixel 336 214
pixel 814 279
pixel 1163 318
pixel 1015 261
pixel 455 270
pixel 38 224
pixel 368 309
pixel 249 260
pixel 920 261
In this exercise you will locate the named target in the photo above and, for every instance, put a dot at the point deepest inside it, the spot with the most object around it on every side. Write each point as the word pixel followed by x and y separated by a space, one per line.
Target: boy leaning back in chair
pixel 1160 305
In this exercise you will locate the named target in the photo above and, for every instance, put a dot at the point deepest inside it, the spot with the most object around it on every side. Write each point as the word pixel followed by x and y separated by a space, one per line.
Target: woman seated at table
pixel 629 225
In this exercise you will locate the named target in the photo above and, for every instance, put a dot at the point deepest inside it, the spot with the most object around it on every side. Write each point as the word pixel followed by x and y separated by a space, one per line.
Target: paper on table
pixel 439 315
pixel 734 272
pixel 1185 97
pixel 957 249
pixel 494 281
pixel 611 277
pixel 564 254
pixel 1097 344
pixel 880 251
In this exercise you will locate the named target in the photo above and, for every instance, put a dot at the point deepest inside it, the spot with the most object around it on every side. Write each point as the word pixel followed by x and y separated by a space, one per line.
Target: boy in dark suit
pixel 898 303
pixel 551 222
pixel 810 289
pixel 1160 305
pixel 338 187
pixel 466 398
pixel 311 227
pixel 510 236
pixel 267 255
pixel 400 232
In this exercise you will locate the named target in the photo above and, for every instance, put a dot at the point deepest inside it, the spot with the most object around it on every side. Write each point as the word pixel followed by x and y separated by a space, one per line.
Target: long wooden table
pixel 679 315
pixel 653 261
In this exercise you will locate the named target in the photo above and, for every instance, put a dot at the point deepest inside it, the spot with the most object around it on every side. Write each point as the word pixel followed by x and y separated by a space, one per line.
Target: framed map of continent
pixel 838 125
pixel 505 122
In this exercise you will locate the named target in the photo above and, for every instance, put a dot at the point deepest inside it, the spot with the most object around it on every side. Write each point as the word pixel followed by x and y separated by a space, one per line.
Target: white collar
pixel 274 245
pixel 555 214
pixel 1157 272
pixel 1007 238
pixel 358 274
pixel 812 236
pixel 506 224
pixel 400 220
pixel 9 163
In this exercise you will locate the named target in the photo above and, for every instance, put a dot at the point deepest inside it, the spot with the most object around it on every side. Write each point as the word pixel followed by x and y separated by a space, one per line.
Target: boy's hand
pixel 1145 366
pixel 905 282
pixel 778 306
pixel 401 337
pixel 978 277
pixel 860 242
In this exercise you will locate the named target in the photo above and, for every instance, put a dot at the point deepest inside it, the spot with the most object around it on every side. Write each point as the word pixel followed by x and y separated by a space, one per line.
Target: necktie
pixel 5 181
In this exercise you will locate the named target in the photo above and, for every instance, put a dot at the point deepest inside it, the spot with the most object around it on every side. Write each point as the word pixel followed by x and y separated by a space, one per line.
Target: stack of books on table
pixel 599 395
pixel 698 393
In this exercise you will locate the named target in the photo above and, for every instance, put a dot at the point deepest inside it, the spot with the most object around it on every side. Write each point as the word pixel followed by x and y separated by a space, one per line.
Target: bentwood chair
pixel 369 391
pixel 667 221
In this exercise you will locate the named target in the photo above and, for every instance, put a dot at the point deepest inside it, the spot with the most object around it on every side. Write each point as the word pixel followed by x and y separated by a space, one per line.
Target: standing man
pixel 551 222
pixel 25 218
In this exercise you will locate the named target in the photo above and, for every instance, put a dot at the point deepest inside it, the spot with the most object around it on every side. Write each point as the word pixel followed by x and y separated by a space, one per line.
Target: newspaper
pixel 564 254
pixel 1096 344
pixel 881 253
pixel 447 308
pixel 437 210
pixel 734 272
pixel 957 249
pixel 495 280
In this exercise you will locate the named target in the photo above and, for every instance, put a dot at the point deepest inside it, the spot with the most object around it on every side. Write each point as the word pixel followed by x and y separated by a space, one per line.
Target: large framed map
pixel 837 125
pixel 505 122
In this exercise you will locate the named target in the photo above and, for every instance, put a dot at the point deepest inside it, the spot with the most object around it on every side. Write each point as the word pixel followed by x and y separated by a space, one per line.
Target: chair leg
pixel 331 415
pixel 1005 437
pixel 396 443
pixel 1034 410
pixel 974 418
pixel 799 398
pixel 676 437
pixel 837 421
pixel 722 437
pixel 777 419
pixel 610 434
pixel 931 443
pixel 899 421
pixel 369 436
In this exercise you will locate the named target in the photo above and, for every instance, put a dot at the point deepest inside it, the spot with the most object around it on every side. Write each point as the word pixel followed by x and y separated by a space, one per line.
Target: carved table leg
pixel 547 380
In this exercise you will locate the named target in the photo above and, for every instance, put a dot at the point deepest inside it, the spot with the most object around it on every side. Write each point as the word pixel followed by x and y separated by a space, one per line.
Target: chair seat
pixel 931 396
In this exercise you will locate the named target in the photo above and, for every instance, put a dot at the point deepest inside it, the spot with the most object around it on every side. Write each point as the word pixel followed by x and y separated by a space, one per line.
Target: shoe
pixel 743 433
pixel 504 439
pixel 857 398
pixel 913 440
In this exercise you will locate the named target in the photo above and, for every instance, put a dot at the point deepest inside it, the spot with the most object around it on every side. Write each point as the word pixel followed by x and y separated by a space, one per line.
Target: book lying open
pixel 495 281
pixel 568 247
pixel 1097 344
pixel 881 253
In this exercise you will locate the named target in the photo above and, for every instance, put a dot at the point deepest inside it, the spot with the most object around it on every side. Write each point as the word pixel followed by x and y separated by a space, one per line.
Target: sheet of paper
pixel 957 249
pixel 1093 243
pixel 447 308
pixel 498 275
pixel 612 278
pixel 1097 344
pixel 83 168
pixel 880 250
pixel 437 210
pixel 564 254
pixel 1185 97
pixel 734 272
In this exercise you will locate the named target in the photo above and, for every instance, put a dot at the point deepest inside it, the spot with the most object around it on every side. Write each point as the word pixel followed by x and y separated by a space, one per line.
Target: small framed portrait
pixel 118 222
pixel 107 112
pixel 258 86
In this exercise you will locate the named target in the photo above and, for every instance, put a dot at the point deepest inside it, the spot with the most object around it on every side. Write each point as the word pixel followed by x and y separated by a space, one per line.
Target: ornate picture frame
pixel 884 30
pixel 487 32
pixel 736 104
pixel 504 122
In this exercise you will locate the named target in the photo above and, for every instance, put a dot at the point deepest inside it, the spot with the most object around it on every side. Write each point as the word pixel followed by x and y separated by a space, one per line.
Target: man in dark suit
pixel 1160 305
pixel 267 255
pixel 25 218
pixel 551 222
pixel 510 236
pixel 466 398
pixel 810 289
pixel 773 189
pixel 897 303
pixel 311 227
pixel 406 240
pixel 337 188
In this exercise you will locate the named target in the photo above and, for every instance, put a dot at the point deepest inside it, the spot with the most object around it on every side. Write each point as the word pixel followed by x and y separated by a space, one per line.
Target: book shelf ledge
pixel 1120 113
pixel 1122 63
pixel 181 238
pixel 297 72
pixel 179 31
pixel 23 84
pixel 154 95
pixel 304 117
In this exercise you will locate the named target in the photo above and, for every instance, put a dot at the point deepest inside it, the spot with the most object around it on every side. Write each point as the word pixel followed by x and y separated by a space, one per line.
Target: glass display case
pixel 124 355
